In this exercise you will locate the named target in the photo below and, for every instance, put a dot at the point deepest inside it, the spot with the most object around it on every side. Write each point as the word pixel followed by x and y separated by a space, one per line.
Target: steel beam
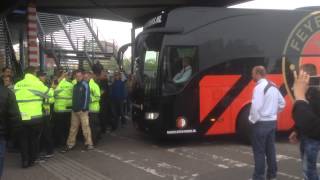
pixel 133 46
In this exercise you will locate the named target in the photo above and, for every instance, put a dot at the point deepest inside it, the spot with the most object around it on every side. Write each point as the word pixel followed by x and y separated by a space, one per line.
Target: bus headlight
pixel 151 115
pixel 181 122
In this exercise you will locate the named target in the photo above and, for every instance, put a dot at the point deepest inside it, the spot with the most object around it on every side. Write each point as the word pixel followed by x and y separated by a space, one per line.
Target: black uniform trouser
pixel 30 133
pixel 117 113
pixel 94 126
pixel 46 142
pixel 13 141
pixel 61 127
pixel 105 113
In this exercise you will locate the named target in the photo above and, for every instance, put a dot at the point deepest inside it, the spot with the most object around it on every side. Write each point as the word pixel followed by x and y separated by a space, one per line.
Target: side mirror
pixel 121 51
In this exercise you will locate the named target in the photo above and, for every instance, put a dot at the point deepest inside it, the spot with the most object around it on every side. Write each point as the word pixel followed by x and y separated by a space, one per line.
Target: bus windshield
pixel 150 69
pixel 148 50
pixel 151 63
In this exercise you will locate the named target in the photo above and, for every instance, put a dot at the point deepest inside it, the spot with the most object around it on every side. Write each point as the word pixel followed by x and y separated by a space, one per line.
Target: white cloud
pixel 277 4
pixel 118 31
pixel 114 30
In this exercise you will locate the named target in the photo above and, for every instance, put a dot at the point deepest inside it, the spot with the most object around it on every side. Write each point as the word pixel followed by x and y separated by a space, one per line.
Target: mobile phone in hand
pixel 314 81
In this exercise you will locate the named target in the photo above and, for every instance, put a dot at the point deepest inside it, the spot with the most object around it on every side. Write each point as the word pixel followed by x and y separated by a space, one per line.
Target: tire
pixel 244 128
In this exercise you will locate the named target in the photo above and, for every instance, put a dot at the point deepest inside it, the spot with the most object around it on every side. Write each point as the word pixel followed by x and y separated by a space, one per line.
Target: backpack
pixel 268 86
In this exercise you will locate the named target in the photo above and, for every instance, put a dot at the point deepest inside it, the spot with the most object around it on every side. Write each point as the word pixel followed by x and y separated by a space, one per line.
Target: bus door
pixel 179 67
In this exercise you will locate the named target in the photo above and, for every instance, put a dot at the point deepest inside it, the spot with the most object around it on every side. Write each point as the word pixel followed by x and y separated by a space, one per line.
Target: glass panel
pixel 150 70
pixel 151 64
pixel 178 67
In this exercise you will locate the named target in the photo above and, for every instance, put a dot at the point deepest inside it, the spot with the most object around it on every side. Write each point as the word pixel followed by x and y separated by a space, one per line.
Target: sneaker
pixel 89 147
pixel 41 157
pixel 103 131
pixel 47 156
pixel 31 163
pixel 25 164
pixel 66 149
pixel 39 161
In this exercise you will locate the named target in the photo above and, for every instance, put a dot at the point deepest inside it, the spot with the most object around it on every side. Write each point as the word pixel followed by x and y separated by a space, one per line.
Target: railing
pixel 7 48
pixel 109 46
pixel 74 38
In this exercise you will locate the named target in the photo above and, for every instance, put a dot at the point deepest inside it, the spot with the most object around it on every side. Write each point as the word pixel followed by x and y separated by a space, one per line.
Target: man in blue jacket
pixel 118 96
pixel 80 108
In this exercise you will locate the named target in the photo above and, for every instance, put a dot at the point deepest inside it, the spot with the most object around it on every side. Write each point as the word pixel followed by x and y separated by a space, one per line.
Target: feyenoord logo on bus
pixel 302 47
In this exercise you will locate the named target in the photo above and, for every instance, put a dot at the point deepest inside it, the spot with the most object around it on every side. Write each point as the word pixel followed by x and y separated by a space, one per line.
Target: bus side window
pixel 181 63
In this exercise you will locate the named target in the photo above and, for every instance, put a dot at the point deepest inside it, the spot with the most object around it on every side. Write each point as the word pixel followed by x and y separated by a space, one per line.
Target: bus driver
pixel 185 72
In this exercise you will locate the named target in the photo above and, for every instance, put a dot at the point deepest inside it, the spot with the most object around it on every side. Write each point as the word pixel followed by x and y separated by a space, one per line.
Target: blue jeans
pixel 263 146
pixel 309 149
pixel 2 153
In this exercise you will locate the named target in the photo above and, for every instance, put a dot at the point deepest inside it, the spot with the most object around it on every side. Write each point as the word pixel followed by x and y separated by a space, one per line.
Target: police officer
pixel 62 108
pixel 46 141
pixel 30 93
pixel 94 106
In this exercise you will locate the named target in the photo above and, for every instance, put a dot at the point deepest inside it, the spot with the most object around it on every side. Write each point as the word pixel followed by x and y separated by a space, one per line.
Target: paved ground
pixel 128 155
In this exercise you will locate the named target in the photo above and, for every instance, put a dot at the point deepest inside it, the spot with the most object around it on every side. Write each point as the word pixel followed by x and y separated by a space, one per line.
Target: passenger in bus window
pixel 177 65
pixel 185 73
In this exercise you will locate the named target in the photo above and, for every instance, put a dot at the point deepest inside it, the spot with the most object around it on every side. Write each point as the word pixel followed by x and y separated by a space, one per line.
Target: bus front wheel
pixel 243 126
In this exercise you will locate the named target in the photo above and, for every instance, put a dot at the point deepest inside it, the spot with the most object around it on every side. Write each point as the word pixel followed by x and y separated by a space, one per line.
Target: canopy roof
pixel 136 11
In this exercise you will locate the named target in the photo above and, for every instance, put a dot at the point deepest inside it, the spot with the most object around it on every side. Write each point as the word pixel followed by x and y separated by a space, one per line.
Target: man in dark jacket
pixel 307 121
pixel 9 118
pixel 97 67
pixel 80 108
pixel 6 71
pixel 118 96
pixel 105 104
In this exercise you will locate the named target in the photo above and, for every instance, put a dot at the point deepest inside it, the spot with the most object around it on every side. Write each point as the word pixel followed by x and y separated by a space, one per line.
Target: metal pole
pixel 41 58
pixel 59 59
pixel 97 33
pixel 133 35
pixel 93 48
pixel 80 64
pixel 21 48
pixel 51 36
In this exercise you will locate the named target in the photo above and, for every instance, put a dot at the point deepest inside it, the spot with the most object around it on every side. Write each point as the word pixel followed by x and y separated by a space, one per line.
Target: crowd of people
pixel 39 114
pixel 44 114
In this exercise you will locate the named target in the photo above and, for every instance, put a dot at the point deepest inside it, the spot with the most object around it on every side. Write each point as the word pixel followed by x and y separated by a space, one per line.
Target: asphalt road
pixel 129 155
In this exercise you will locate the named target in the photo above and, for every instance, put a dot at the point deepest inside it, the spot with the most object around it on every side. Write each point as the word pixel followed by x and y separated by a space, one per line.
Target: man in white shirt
pixel 267 102
pixel 185 73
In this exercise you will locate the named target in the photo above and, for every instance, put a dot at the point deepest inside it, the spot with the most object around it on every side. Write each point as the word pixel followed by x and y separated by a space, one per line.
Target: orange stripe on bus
pixel 226 123
pixel 212 89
